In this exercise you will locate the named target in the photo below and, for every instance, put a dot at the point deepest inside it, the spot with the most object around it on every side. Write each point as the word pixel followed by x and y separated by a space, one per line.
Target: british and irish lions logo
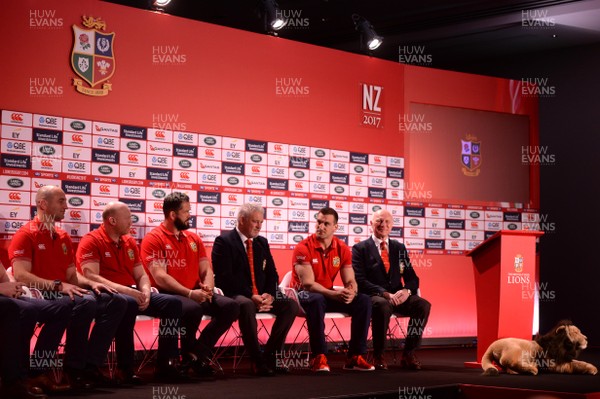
pixel 93 57
pixel 470 157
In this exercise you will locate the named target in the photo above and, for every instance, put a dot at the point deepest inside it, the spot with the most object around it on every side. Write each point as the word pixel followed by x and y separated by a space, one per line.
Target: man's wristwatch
pixel 57 284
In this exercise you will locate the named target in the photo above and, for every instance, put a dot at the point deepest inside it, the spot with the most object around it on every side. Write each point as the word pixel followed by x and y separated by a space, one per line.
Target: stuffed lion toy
pixel 554 352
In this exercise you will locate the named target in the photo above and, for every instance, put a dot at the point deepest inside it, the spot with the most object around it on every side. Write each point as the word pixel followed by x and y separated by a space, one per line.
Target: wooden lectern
pixel 505 287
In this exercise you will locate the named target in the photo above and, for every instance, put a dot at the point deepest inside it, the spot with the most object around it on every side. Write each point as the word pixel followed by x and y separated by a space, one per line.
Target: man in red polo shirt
pixel 177 261
pixel 110 256
pixel 41 255
pixel 317 261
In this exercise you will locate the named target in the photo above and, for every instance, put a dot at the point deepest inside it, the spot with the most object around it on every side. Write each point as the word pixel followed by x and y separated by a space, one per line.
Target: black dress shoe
pixel 21 390
pixel 379 362
pixel 261 368
pixel 202 368
pixel 78 380
pixel 125 378
pixel 171 371
pixel 47 383
pixel 410 362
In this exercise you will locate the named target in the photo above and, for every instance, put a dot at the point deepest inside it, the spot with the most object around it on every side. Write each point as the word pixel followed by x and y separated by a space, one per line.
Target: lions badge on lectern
pixel 92 57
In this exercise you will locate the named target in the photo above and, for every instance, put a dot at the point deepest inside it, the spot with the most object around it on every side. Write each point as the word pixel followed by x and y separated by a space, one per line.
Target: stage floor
pixel 443 370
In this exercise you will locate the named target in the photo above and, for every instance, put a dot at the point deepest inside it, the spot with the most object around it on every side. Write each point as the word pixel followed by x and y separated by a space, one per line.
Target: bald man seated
pixel 109 255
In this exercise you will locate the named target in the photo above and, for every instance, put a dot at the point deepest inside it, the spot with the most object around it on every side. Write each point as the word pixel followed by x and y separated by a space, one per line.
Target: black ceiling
pixel 449 34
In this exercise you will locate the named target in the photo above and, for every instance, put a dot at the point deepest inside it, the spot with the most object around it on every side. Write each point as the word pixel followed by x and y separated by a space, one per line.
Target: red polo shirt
pixel 181 254
pixel 116 260
pixel 325 263
pixel 50 255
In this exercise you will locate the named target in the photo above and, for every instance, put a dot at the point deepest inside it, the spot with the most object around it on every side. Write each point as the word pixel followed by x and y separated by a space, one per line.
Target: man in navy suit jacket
pixel 254 289
pixel 384 272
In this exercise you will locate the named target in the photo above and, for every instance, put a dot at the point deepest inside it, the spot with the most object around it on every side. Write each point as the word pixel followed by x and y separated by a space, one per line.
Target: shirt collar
pixel 318 247
pixel 378 241
pixel 107 238
pixel 170 233
pixel 242 236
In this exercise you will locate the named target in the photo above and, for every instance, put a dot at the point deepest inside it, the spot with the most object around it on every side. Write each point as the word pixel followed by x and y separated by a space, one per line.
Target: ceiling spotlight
pixel 160 4
pixel 274 19
pixel 368 36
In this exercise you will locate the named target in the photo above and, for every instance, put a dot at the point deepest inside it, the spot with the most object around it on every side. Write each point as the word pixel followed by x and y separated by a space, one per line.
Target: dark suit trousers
pixel 55 316
pixel 415 307
pixel 223 311
pixel 284 309
pixel 163 306
pixel 316 305
pixel 82 346
pixel 13 322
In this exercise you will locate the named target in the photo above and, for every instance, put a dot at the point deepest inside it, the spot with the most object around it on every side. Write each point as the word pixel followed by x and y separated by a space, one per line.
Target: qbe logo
pixel 371 106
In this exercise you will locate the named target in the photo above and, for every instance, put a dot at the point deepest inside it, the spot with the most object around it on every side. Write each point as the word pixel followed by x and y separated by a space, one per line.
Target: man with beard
pixel 178 264
pixel 41 255
pixel 110 256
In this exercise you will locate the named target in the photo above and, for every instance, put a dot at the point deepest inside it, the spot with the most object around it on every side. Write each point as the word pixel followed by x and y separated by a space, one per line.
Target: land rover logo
pixel 455 234
pixel 134 145
pixel 339 189
pixel 359 169
pixel 395 183
pixel 134 219
pixel 320 153
pixel 297 238
pixel 233 180
pixel 75 201
pixel 376 208
pixel 277 201
pixel 475 215
pixel 512 226
pixel 210 141
pixel 159 194
pixel 47 150
pixel 184 163
pixel 209 210
pixel 77 125
pixel 256 158
pixel 15 183
pixel 414 222
pixel 105 169
pixel 358 230
pixel 299 174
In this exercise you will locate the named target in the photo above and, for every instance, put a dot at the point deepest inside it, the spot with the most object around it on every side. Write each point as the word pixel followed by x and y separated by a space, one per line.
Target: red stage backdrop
pixel 115 103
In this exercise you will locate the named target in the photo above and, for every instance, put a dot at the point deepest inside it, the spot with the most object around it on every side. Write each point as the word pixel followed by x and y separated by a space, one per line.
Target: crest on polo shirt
pixel 193 246
pixel 336 261
pixel 64 248
pixel 130 254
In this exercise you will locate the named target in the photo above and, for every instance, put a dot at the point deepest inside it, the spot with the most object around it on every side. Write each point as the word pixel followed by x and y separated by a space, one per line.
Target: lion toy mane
pixel 554 352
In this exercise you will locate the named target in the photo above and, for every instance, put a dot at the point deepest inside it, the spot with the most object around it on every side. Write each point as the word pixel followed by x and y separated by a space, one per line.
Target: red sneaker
pixel 358 363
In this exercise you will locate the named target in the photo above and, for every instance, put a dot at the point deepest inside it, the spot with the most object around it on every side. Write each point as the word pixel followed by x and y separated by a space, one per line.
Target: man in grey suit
pixel 383 271
pixel 245 271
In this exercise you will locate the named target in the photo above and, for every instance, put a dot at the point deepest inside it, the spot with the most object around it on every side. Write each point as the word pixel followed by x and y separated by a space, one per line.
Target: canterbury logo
pixel 278 147
pixel 132 158
pixel 208 222
pixel 184 175
pixel 14 196
pixel 160 134
pixel 77 138
pixel 75 214
pixel 16 117
pixel 209 152
pixel 158 205
pixel 232 197
pixel 46 163
pixel 299 185
pixel 255 169
pixel 104 188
